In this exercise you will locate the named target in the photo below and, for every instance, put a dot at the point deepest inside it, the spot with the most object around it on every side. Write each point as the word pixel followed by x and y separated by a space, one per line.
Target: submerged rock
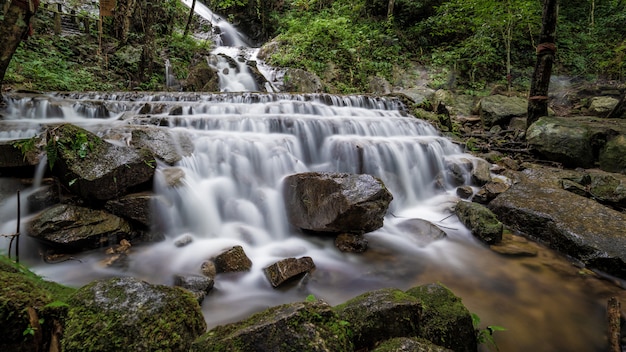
pixel 409 344
pixel 126 314
pixel 422 232
pixel 336 202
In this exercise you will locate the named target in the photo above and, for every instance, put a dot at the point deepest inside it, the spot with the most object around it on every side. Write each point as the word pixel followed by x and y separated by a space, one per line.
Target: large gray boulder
pixel 127 314
pixel 499 110
pixel 94 169
pixel 569 223
pixel 299 326
pixel 336 202
pixel 73 228
pixel 300 81
pixel 580 141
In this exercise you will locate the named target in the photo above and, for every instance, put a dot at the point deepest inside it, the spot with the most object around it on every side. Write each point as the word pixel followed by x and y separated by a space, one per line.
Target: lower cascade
pixel 228 195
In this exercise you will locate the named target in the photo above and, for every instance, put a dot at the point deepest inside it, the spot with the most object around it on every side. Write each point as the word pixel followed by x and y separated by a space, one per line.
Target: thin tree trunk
pixel 613 316
pixel 191 12
pixel 14 27
pixel 546 50
pixel 390 6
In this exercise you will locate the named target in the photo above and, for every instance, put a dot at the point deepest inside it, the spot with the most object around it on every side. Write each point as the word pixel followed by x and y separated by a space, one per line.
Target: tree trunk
pixel 191 12
pixel 538 97
pixel 613 316
pixel 14 26
pixel 390 6
pixel 122 15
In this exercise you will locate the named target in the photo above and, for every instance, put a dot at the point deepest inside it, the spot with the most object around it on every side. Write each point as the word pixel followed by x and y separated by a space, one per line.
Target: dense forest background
pixel 464 44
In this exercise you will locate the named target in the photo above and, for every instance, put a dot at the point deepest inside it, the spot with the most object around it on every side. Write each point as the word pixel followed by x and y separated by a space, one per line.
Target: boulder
pixel 300 81
pixel 299 326
pixel 166 145
pixel 94 169
pixel 573 225
pixel 44 197
pixel 379 315
pixel 135 206
pixel 561 140
pixel 127 314
pixel 336 202
pixel 480 220
pixel 601 106
pixel 232 260
pixel 489 191
pixel 351 243
pixel 202 78
pixel 421 232
pixel 198 285
pixel 20 153
pixel 612 157
pixel 287 270
pixel 72 228
pixel 481 172
pixel 499 110
pixel 444 320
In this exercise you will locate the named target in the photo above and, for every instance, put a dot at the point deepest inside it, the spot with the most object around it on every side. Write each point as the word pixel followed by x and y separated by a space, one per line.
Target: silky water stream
pixel 246 143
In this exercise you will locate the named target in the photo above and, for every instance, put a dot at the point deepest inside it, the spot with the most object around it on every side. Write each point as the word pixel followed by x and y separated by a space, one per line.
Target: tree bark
pixel 613 316
pixel 191 12
pixel 122 15
pixel 390 6
pixel 546 50
pixel 14 26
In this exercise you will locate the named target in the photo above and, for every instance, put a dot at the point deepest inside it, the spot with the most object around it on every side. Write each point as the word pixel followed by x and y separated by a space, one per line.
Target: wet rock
pixel 117 256
pixel 422 232
pixel 202 78
pixel 72 228
pixel 481 172
pixel 173 176
pixel 288 269
pixel 43 198
pixel 351 243
pixel 407 344
pixel 135 206
pixel 612 157
pixel 94 169
pixel 299 326
pixel 380 315
pixel 464 192
pixel 562 141
pixel 444 320
pixel 480 220
pixel 489 191
pixel 336 202
pixel 515 246
pixel 208 269
pixel 456 172
pixel 232 260
pixel 198 285
pixel 573 225
pixel 183 241
pixel 500 109
pixel 574 187
pixel 169 146
pixel 20 153
pixel 300 81
pixel 126 314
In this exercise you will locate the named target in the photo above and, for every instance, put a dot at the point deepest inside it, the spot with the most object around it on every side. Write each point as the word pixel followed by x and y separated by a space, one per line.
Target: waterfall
pixel 233 55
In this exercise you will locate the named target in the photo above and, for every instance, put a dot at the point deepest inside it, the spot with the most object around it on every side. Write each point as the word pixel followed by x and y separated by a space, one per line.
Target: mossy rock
pixel 299 326
pixel 445 321
pixel 380 315
pixel 21 290
pixel 127 314
pixel 481 221
pixel 409 344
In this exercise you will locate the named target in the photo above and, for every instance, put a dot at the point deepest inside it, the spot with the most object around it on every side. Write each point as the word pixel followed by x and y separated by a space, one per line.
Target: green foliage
pixel 485 336
pixel 25 146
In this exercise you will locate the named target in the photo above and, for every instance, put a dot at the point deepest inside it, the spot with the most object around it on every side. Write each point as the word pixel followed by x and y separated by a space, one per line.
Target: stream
pixel 246 142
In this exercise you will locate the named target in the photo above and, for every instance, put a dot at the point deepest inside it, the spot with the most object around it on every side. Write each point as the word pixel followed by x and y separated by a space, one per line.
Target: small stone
pixel 464 192
pixel 183 241
pixel 198 285
pixel 208 269
pixel 288 269
pixel 232 260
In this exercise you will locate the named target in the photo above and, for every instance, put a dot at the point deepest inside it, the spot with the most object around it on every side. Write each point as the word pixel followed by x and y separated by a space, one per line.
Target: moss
pixel 21 289
pixel 126 314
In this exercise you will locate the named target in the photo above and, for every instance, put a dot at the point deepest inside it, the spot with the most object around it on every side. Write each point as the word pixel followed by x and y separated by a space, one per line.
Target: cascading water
pixel 244 145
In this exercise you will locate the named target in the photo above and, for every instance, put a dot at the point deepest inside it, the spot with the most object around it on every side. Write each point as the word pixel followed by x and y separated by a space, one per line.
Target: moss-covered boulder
pixel 612 157
pixel 481 221
pixel 300 326
pixel 409 344
pixel 31 309
pixel 445 321
pixel 380 315
pixel 94 169
pixel 126 314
